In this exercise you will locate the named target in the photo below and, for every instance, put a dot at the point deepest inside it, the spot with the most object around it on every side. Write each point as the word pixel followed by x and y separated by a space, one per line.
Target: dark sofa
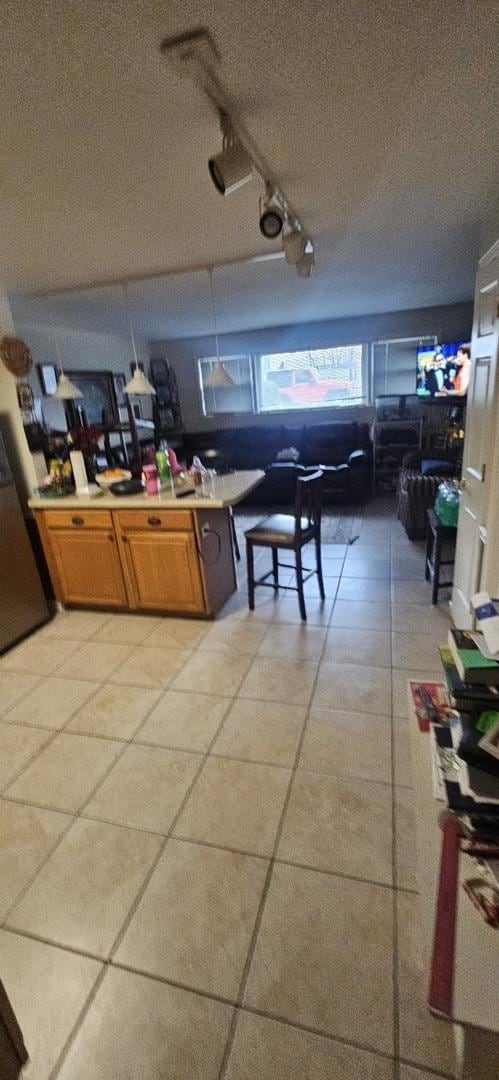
pixel 343 448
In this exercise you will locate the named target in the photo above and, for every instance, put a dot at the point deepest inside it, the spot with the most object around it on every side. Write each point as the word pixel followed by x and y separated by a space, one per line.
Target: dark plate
pixel 127 487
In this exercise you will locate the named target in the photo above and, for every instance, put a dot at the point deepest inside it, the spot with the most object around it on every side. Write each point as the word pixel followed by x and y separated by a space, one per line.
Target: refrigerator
pixel 22 601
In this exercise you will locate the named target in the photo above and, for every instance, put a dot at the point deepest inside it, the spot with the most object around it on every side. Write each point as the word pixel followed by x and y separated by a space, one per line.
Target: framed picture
pixel 24 395
pixel 98 401
pixel 47 375
pixel 119 387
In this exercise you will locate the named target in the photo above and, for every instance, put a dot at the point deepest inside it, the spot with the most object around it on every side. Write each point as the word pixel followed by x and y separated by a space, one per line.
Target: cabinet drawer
pixel 154 520
pixel 78 519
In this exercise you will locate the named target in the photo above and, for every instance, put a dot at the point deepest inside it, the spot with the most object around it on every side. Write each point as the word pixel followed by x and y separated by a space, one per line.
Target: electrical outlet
pixel 205 529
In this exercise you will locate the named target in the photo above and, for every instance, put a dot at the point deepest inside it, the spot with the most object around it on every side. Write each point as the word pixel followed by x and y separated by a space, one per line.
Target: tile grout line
pixel 74 815
pixel 266 887
pixel 108 962
pixel 396 995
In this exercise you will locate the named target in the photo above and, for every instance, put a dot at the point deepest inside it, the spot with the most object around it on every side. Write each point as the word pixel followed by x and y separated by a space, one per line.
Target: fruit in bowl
pixel 111 476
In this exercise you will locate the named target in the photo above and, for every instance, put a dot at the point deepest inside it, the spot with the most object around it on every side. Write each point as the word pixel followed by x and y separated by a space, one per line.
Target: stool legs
pixel 318 555
pixel 275 566
pixel 299 583
pixel 251 575
pixel 237 552
pixel 436 569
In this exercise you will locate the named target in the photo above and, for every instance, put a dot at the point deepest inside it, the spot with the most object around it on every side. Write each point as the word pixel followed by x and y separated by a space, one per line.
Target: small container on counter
pixel 151 479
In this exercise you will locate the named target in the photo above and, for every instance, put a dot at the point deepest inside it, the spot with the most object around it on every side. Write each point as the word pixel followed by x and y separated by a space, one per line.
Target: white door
pixel 481 419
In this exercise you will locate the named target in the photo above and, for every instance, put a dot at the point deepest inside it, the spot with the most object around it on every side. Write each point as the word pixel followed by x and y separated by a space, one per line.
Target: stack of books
pixel 468 741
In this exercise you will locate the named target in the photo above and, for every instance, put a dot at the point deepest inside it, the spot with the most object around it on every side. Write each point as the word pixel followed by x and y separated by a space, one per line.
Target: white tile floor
pixel 207 841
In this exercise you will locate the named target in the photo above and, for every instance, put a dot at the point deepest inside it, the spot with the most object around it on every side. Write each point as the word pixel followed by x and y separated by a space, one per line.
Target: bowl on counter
pixel 112 476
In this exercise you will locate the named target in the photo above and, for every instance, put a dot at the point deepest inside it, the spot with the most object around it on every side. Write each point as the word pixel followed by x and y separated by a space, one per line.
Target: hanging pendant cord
pixel 130 325
pixel 214 311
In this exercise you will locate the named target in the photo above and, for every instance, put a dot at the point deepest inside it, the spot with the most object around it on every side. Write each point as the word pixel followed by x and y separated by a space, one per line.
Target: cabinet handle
pixel 111 539
pixel 124 539
pixel 78 520
pixel 154 521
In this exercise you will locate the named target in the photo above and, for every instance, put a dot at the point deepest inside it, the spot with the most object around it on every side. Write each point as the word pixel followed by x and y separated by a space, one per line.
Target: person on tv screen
pixel 457 385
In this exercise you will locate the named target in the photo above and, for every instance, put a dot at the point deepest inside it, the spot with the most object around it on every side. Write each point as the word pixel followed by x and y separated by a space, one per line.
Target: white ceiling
pixel 380 120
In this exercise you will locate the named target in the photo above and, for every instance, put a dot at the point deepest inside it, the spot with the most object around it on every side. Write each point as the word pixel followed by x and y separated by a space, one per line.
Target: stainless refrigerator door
pixel 22 601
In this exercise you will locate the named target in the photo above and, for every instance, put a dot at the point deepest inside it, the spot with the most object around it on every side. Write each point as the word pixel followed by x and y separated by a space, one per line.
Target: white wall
pixel 449 323
pixel 11 422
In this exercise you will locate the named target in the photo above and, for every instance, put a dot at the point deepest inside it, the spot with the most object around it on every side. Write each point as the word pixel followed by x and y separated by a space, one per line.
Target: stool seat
pixel 278 529
pixel 292 533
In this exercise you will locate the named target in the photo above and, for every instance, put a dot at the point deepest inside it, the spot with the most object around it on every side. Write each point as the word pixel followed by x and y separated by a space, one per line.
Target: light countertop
pixel 227 491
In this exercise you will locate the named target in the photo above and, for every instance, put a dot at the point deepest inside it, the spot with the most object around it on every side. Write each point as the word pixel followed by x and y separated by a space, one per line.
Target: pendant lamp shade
pixel 218 377
pixel 66 390
pixel 138 384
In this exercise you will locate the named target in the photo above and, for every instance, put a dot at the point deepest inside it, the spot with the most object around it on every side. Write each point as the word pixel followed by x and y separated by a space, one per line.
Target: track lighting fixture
pixel 271 213
pixel 232 167
pixel 293 242
pixel 194 54
pixel 305 265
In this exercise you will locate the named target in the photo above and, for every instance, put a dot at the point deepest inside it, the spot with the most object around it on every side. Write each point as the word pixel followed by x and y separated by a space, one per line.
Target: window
pixel 311 379
pixel 234 397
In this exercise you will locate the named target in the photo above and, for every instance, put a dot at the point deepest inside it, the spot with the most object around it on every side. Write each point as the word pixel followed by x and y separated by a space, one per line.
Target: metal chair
pixel 290 533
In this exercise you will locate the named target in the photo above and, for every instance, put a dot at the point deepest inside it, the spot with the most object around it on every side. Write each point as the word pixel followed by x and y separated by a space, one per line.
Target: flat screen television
pixel 443 371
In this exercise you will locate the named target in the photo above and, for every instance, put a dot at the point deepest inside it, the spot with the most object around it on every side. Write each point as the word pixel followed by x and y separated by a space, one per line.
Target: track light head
pixel 305 265
pixel 293 242
pixel 271 214
pixel 232 167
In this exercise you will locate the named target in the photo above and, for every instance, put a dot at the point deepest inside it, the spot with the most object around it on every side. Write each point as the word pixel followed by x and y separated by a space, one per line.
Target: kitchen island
pixel 157 553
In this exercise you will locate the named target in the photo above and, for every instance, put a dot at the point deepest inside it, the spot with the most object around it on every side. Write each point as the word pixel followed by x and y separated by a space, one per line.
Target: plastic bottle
pixel 151 479
pixel 163 463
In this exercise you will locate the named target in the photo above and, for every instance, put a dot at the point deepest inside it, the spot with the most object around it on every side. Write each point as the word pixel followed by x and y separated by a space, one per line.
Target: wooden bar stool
pixel 291 533
pixel 438 538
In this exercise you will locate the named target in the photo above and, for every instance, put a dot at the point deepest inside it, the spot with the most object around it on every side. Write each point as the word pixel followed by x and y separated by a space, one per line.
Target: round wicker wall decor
pixel 16 356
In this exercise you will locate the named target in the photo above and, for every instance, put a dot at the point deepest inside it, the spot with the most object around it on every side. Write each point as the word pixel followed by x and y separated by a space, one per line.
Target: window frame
pixel 365 382
pixel 199 360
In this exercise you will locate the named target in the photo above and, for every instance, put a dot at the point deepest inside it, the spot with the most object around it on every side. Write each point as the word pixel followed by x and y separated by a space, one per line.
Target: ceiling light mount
pixel 272 213
pixel 194 54
pixel 232 167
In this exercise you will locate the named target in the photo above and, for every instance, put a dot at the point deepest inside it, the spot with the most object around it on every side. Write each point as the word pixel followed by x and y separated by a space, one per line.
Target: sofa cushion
pixel 329 444
pixel 435 467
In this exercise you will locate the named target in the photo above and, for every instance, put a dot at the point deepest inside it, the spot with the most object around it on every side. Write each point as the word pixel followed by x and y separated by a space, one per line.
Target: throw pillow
pixel 434 467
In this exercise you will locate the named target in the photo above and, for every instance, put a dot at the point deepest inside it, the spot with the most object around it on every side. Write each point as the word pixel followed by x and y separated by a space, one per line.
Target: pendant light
pixel 218 378
pixel 66 390
pixel 138 384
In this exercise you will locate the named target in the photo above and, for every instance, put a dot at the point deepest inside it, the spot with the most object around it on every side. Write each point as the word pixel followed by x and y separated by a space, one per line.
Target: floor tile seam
pixel 348 775
pixel 310 1029
pixel 73 815
pixel 183 803
pixel 24 695
pixel 78 1023
pixel 27 885
pixel 111 964
pixel 32 758
pixel 266 887
pixel 147 686
pixel 395 943
pixel 425 1069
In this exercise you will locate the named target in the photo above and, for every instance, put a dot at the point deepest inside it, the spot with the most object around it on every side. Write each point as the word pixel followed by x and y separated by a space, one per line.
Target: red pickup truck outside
pixel 302 386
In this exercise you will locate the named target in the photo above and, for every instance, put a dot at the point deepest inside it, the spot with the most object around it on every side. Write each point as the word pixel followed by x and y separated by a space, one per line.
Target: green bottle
pixel 163 464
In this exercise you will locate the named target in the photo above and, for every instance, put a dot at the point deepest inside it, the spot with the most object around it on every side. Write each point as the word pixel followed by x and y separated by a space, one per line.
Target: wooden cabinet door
pixel 163 570
pixel 89 567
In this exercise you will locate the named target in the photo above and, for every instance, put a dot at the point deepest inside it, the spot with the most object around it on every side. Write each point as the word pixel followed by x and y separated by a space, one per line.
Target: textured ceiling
pixel 380 119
